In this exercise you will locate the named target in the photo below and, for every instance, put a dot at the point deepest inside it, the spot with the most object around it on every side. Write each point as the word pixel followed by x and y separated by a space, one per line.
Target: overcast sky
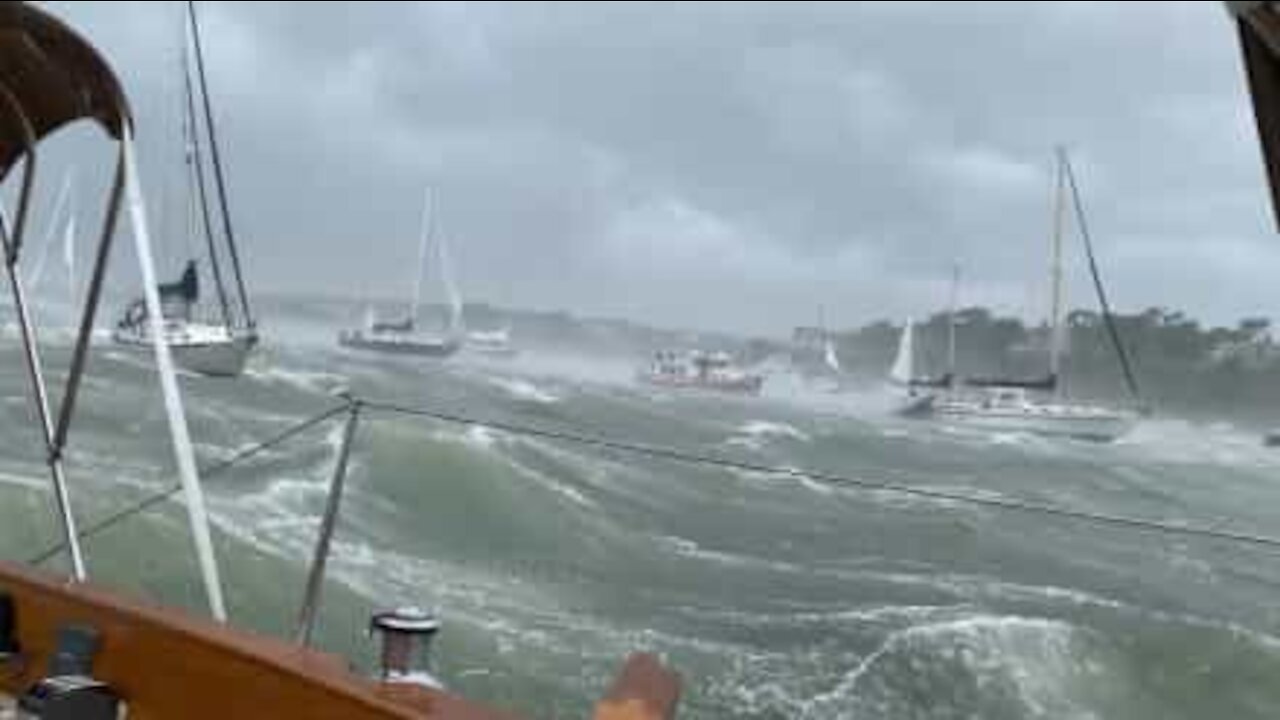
pixel 722 166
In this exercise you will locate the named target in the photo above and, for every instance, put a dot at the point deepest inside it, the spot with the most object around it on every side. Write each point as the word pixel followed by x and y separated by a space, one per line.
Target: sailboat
pixel 70 647
pixel 403 336
pixel 1036 405
pixel 920 392
pixel 219 347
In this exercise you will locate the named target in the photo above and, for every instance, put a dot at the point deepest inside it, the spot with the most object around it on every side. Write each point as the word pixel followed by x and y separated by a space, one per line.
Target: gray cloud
pixel 723 165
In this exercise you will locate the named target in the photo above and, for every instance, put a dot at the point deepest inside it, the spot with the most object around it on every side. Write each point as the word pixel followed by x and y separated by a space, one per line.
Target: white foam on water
pixel 475 437
pixel 311 381
pixel 524 390
pixel 772 429
pixel 1038 656
pixel 1185 442
pixel 26 482
pixel 572 494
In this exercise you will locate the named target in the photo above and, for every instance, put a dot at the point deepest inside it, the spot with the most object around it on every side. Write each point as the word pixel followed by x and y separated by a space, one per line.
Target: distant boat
pixel 492 343
pixel 920 393
pixel 1031 405
pixel 404 336
pixel 700 371
pixel 220 347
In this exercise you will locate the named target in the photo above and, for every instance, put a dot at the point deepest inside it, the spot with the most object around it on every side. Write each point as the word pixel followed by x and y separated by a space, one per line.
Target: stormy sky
pixel 730 166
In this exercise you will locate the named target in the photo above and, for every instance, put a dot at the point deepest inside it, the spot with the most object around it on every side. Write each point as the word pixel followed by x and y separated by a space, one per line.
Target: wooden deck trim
pixel 169 664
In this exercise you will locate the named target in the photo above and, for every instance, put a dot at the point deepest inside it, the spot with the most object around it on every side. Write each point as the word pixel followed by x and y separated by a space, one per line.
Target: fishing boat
pixel 70 648
pixel 1034 405
pixel 405 336
pixel 219 346
pixel 700 370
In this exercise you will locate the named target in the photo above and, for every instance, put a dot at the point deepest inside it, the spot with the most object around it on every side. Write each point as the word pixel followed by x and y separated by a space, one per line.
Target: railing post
pixel 315 576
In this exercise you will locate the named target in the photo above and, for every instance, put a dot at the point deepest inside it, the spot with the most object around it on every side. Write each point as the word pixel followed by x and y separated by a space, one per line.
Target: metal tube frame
pixel 12 244
pixel 315 576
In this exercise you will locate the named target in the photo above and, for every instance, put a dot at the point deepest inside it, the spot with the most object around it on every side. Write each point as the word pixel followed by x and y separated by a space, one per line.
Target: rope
pixel 1135 523
pixel 211 470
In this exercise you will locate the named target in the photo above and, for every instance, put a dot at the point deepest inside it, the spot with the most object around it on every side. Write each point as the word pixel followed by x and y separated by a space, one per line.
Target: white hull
pixel 213 353
pixel 1056 420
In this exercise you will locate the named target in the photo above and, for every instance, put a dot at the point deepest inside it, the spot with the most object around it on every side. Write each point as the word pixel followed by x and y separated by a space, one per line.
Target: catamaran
pixel 221 346
pixel 404 336
pixel 1033 405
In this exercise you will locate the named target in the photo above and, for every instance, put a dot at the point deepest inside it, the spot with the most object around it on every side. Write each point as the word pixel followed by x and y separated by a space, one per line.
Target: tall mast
pixel 1055 269
pixel 1126 367
pixel 450 288
pixel 951 319
pixel 218 176
pixel 195 180
pixel 428 229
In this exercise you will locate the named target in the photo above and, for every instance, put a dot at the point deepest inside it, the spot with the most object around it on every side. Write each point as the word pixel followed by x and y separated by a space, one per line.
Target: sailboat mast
pixel 195 181
pixel 1055 269
pixel 451 289
pixel 428 229
pixel 218 175
pixel 1108 319
pixel 951 319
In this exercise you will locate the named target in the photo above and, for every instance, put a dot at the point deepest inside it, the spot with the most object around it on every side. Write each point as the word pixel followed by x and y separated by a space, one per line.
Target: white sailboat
pixel 219 347
pixel 404 336
pixel 829 357
pixel 1036 405
pixel 918 393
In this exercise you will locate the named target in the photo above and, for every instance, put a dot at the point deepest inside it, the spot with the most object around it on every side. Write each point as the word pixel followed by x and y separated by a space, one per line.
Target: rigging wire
pixel 211 470
pixel 667 453
pixel 220 182
pixel 1213 532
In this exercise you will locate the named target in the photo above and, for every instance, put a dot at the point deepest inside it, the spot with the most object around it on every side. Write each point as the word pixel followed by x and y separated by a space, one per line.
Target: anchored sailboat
pixel 1033 404
pixel 403 336
pixel 919 391
pixel 220 347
